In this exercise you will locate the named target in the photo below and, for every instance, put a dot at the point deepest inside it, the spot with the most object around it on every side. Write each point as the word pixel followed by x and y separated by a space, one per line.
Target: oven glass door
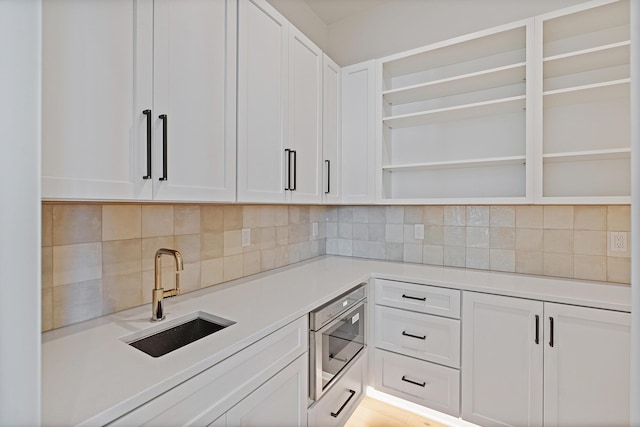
pixel 342 340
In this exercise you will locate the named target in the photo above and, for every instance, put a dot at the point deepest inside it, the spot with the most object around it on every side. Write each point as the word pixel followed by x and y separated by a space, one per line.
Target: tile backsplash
pixel 98 258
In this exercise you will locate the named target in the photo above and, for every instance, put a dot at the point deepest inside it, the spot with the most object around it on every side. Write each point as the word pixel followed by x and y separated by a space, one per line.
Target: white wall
pixel 305 19
pixel 401 25
pixel 20 33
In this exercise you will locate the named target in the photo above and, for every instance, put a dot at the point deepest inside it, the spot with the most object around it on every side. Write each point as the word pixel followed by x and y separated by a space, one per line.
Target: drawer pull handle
pixel 537 329
pixel 405 379
pixel 551 331
pixel 335 414
pixel 415 298
pixel 424 337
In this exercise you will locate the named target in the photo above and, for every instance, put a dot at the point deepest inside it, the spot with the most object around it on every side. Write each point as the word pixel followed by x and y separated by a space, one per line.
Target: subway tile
pixel 433 215
pixel 454 236
pixel 394 251
pixel 331 214
pixel 433 255
pixel 619 270
pixel 502 260
pixel 268 216
pixel 559 265
pixel 232 243
pixel 267 237
pixel 232 267
pixel 529 239
pixel 304 214
pixel 251 216
pixel 590 242
pixel 434 235
pixel 211 219
pixel 394 214
pixel 157 220
pixel 590 218
pixel 410 235
pixel 77 302
pixel 529 217
pixel 377 215
pixel 150 246
pixel 377 250
pixel 345 247
pixel 47 225
pixel 121 257
pixel 345 230
pixel 332 247
pixel 189 247
pixel 190 277
pixel 251 263
pixel 590 267
pixel 76 224
pixel 211 272
pixel 477 216
pixel 360 231
pixel 377 232
pixel 281 215
pixel 558 241
pixel 232 217
pixel 282 236
pixel 187 219
pixel 345 214
pixel 477 258
pixel 455 215
pixel 558 217
pixel 77 263
pixel 412 253
pixel 360 249
pixel 46 320
pixel 211 246
pixel 413 214
pixel 477 237
pixel 267 259
pixel 454 256
pixel 254 240
pixel 121 222
pixel 502 238
pixel 502 216
pixel 332 230
pixel 121 292
pixel 318 213
pixel 619 218
pixel 529 262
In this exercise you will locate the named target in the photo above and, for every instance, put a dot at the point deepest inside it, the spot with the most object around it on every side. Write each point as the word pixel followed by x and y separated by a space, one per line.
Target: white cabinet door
pixel 586 366
pixel 262 102
pixel 331 132
pixel 358 133
pixel 194 92
pixel 281 401
pixel 96 82
pixel 502 360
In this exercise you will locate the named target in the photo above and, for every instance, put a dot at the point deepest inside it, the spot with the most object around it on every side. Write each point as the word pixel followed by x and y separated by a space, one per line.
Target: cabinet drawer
pixel 203 398
pixel 432 338
pixel 424 383
pixel 349 388
pixel 421 298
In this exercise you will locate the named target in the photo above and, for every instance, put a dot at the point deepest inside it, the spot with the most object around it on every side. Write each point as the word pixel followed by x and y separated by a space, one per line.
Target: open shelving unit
pixel 453 120
pixel 583 130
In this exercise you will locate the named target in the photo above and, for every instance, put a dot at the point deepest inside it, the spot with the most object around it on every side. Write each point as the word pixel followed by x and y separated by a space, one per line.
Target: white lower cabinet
pixel 267 380
pixel 532 363
pixel 336 406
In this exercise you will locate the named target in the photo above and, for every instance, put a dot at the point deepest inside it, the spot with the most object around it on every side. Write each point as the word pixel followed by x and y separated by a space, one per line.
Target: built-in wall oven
pixel 336 337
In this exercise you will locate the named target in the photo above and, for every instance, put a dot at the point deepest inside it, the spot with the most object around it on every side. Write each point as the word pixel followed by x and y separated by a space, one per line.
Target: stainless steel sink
pixel 176 333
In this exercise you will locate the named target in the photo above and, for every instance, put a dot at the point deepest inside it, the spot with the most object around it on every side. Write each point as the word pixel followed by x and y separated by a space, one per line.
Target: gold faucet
pixel 158 292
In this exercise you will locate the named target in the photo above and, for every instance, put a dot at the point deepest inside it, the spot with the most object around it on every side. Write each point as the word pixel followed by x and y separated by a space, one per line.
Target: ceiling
pixel 331 11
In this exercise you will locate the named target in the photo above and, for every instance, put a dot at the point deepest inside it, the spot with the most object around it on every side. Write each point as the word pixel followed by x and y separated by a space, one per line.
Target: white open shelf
pixel 610 154
pixel 459 112
pixel 588 59
pixel 458 164
pixel 587 93
pixel 486 79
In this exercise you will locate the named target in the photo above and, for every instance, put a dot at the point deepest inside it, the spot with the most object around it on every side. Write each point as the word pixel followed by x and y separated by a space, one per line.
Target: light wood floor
pixel 373 413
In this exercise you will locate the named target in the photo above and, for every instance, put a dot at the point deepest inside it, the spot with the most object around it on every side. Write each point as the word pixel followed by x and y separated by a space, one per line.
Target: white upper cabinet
pixel 331 130
pixel 194 80
pixel 583 87
pixel 115 74
pixel 96 81
pixel 279 109
pixel 455 120
pixel 358 133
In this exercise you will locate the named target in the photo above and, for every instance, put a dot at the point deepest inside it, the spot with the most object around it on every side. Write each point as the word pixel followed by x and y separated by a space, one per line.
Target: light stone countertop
pixel 90 376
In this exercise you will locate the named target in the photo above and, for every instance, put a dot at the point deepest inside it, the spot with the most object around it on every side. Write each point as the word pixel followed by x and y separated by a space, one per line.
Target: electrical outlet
pixel 419 231
pixel 246 237
pixel 618 241
pixel 314 229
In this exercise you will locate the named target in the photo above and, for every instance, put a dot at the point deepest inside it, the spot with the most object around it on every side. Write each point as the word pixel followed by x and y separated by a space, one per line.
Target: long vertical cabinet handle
pixel 537 329
pixel 288 157
pixel 163 117
pixel 551 331
pixel 148 114
pixel 295 170
pixel 328 162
